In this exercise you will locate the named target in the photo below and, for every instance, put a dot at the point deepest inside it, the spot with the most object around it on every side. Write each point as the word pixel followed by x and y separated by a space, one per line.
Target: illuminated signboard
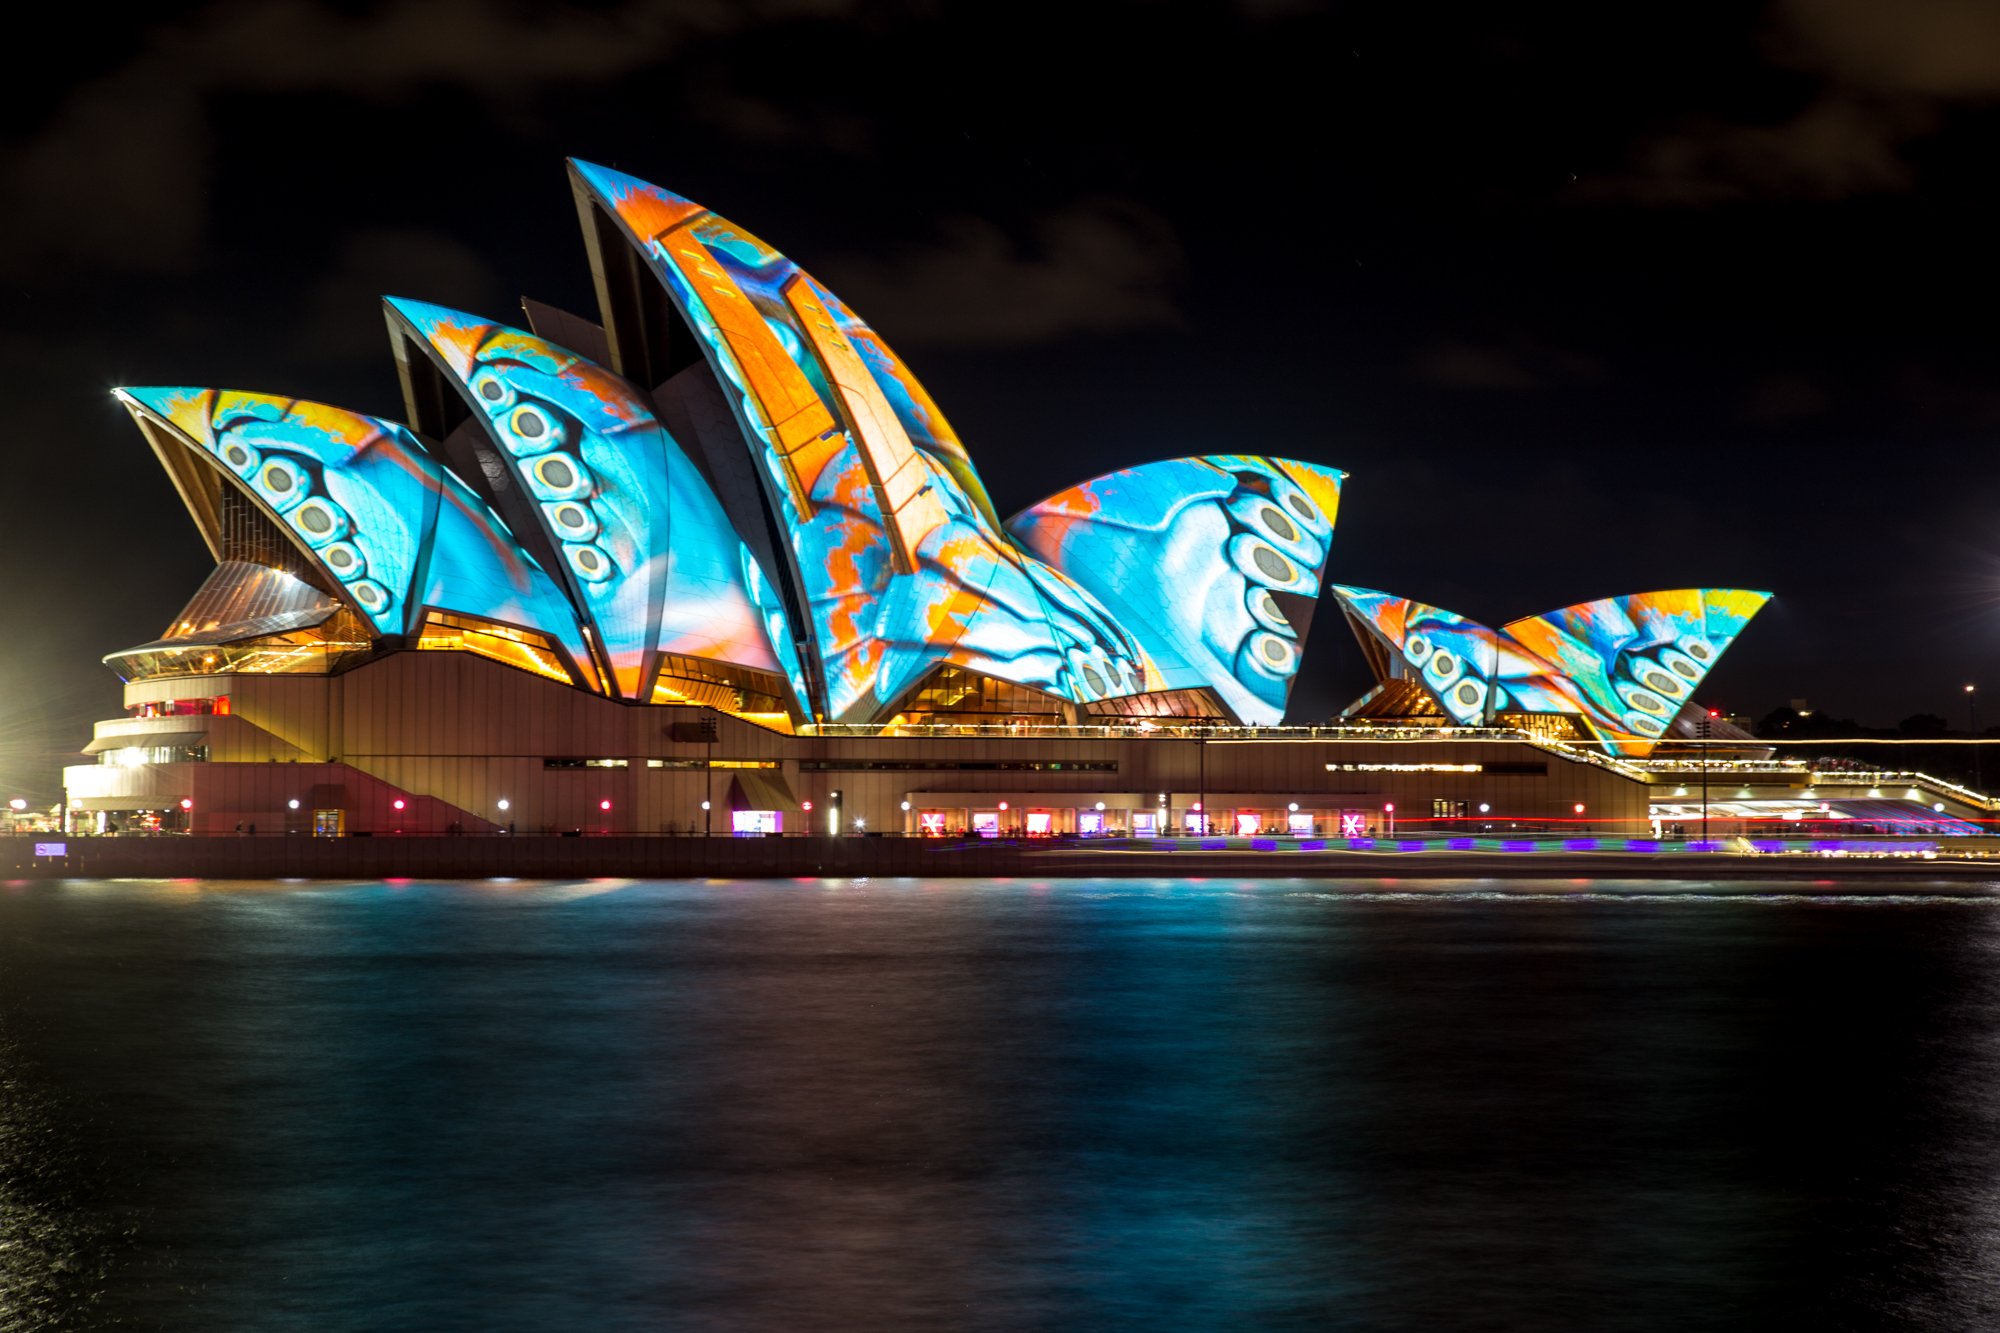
pixel 1192 555
pixel 1625 665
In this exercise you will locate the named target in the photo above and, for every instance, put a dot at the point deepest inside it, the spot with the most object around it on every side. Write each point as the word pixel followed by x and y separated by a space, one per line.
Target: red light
pixel 1389 807
pixel 1579 807
pixel 1003 805
pixel 186 804
pixel 805 805
pixel 1715 712
pixel 397 803
pixel 604 805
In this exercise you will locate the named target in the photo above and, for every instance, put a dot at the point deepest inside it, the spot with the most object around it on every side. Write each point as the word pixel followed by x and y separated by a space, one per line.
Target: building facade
pixel 716 562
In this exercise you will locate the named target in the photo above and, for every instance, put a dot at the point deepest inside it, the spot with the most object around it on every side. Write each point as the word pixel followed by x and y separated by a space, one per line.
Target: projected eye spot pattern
pixel 492 390
pixel 571 520
pixel 344 559
pixel 321 520
pixel 1264 610
pixel 281 482
pixel 531 429
pixel 242 459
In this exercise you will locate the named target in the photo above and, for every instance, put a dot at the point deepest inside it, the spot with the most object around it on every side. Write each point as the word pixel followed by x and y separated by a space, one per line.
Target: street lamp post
pixel 1972 704
pixel 1201 771
pixel 1707 731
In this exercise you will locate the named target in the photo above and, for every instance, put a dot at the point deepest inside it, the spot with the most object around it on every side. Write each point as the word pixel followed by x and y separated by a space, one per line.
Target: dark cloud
pixel 1783 399
pixel 1953 401
pixel 1837 146
pixel 343 314
pixel 1887 76
pixel 121 171
pixel 1505 366
pixel 760 122
pixel 1097 266
pixel 1946 49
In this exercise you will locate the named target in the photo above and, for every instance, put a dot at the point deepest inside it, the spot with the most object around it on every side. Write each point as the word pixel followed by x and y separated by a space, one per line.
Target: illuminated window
pixel 314 651
pixel 520 648
pixel 959 765
pixel 718 763
pixel 755 696
pixel 1161 703
pixel 952 695
pixel 135 756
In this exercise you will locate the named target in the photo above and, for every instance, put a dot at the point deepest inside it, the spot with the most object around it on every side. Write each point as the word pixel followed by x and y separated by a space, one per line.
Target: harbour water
pixel 999 1105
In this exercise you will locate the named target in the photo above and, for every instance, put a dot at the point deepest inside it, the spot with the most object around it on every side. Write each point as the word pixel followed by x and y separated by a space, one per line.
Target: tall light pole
pixel 1707 730
pixel 1972 704
pixel 1201 776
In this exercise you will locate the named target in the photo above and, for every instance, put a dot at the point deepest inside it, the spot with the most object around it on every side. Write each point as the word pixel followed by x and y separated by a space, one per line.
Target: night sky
pixel 1585 303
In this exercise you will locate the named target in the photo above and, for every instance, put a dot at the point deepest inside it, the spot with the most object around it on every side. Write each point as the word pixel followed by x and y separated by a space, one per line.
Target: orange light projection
pixel 502 643
pixel 910 507
pixel 807 436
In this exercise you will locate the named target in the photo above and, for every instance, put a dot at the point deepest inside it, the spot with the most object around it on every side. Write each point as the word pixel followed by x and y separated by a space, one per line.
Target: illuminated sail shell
pixel 1625 666
pixel 1196 557
pixel 646 550
pixel 893 541
pixel 392 528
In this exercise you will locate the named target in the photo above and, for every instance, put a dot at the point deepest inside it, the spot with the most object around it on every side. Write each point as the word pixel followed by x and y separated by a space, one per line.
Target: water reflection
pixel 53 1252
pixel 904 1105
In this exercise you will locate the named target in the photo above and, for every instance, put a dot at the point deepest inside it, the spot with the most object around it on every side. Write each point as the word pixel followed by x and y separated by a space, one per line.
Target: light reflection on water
pixel 899 1104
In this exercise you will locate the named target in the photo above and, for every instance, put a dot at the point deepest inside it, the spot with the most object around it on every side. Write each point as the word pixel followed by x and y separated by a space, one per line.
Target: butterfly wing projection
pixel 1193 556
pixel 891 538
pixel 1456 658
pixel 644 544
pixel 393 529
pixel 1626 666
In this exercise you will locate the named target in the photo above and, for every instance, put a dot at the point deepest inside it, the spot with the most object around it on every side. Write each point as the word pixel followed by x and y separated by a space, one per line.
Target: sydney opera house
pixel 717 562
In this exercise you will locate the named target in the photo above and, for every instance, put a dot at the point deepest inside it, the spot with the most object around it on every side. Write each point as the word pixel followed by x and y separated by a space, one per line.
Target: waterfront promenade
pixel 537 857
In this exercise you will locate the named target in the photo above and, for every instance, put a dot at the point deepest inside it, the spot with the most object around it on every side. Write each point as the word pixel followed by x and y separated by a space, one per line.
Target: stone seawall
pixel 756 858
